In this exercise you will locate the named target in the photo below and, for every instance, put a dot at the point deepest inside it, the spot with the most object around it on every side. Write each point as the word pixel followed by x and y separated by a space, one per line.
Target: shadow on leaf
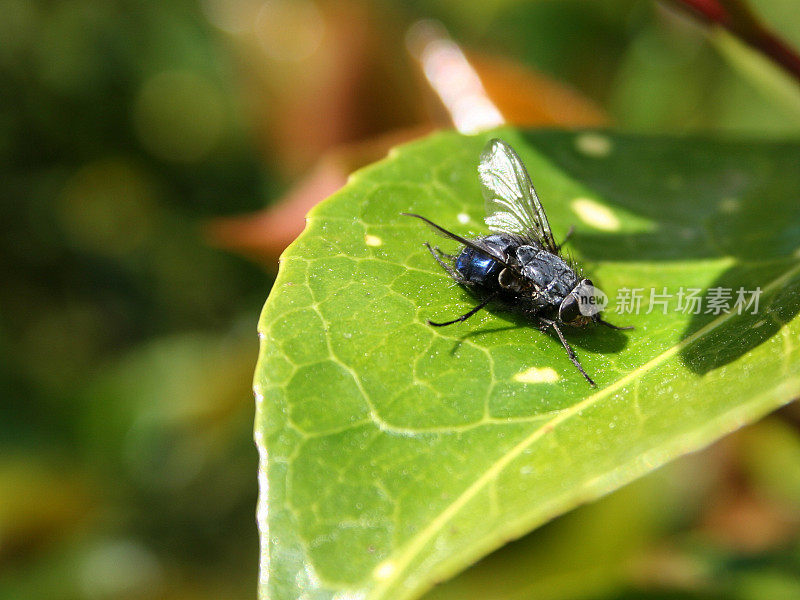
pixel 737 334
pixel 595 338
pixel 716 199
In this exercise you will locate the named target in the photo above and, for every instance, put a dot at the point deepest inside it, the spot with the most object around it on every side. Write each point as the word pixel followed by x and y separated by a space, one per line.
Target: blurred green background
pixel 127 338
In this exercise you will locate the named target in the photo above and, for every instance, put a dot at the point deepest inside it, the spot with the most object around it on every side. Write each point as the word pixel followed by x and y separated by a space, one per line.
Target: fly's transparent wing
pixel 478 245
pixel 511 201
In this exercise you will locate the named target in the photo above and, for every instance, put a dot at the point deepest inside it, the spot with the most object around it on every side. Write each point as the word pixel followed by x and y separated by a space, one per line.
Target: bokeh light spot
pixel 232 16
pixel 179 116
pixel 290 30
pixel 120 568
pixel 107 207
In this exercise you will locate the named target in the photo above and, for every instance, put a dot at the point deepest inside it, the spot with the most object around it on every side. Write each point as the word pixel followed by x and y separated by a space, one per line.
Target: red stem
pixel 778 50
pixel 710 9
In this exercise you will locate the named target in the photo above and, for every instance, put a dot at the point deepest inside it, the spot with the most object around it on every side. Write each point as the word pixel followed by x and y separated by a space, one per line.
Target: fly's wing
pixel 511 202
pixel 478 245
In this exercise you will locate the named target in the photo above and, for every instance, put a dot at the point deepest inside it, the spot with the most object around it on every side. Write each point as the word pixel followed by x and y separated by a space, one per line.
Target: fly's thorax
pixel 527 254
pixel 552 278
pixel 501 240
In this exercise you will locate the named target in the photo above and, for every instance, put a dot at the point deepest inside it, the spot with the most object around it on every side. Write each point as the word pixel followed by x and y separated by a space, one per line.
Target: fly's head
pixel 582 305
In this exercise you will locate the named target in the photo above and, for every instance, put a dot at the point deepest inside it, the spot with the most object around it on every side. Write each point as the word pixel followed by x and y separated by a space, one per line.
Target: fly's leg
pixel 466 316
pixel 460 279
pixel 438 250
pixel 566 237
pixel 597 319
pixel 450 270
pixel 568 348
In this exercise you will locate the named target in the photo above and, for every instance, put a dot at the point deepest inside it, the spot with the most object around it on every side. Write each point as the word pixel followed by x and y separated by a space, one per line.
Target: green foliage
pixel 396 454
pixel 125 341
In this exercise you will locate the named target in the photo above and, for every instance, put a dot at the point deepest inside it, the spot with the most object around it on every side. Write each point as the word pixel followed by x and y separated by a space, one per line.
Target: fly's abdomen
pixel 476 267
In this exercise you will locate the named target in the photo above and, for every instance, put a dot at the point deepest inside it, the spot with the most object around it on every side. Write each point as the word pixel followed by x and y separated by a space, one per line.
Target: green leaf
pixel 394 454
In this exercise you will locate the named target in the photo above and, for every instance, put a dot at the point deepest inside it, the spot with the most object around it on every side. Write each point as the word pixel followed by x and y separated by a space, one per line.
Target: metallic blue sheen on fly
pixel 478 268
pixel 520 265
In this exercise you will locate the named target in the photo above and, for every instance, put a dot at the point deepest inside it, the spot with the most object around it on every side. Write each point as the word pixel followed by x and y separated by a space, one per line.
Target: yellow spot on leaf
pixel 384 570
pixel 373 240
pixel 537 375
pixel 593 144
pixel 595 214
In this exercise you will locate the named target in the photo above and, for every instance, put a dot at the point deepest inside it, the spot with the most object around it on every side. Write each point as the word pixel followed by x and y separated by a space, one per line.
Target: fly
pixel 519 265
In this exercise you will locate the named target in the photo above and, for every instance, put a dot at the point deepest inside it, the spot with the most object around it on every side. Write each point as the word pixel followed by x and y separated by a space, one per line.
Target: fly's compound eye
pixel 590 299
pixel 569 310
